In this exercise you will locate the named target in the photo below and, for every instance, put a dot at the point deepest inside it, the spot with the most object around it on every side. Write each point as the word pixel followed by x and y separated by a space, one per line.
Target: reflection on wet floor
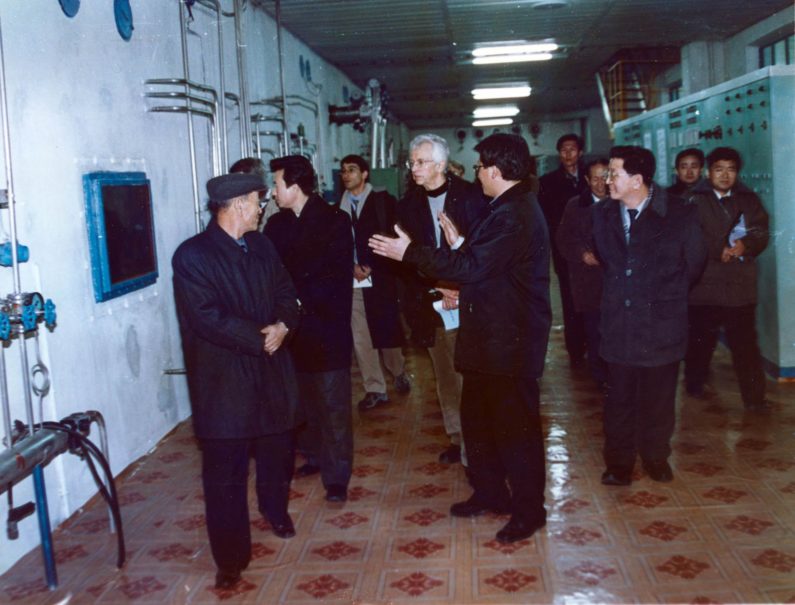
pixel 721 532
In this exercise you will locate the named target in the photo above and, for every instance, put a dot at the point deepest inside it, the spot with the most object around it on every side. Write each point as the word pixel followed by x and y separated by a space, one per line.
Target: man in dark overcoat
pixel 235 305
pixel 315 243
pixel 574 242
pixel 503 271
pixel 375 320
pixel 651 247
pixel 735 227
pixel 435 190
pixel 556 188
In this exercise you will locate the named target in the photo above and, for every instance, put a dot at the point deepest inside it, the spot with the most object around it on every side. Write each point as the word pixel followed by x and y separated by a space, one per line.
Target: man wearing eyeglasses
pixel 236 304
pixel 652 250
pixel 436 190
pixel 315 243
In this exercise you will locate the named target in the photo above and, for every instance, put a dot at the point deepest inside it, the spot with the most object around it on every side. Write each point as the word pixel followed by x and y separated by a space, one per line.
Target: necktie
pixel 633 216
pixel 354 209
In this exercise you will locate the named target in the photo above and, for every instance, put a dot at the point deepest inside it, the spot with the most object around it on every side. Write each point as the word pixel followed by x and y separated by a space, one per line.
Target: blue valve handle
pixel 29 316
pixel 5 327
pixel 49 313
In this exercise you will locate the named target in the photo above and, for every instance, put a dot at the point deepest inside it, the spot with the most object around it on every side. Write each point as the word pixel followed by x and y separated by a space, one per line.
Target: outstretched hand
pixel 451 233
pixel 391 247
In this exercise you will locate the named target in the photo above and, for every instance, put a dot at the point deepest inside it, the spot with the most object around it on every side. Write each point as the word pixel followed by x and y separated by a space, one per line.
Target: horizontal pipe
pixel 40 448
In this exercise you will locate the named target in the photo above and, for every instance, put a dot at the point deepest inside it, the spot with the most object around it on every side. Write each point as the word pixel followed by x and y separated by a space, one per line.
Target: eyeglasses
pixel 477 167
pixel 419 163
pixel 612 175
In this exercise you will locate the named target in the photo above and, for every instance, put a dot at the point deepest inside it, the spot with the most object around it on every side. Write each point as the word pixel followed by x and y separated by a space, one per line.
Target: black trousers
pixel 501 424
pixel 596 365
pixel 740 326
pixel 639 414
pixel 327 437
pixel 573 325
pixel 225 464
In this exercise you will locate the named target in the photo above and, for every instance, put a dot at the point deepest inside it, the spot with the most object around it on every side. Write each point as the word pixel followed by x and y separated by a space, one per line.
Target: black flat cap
pixel 228 186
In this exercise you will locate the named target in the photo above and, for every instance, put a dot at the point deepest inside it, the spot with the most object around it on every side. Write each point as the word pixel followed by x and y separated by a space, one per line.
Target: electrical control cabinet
pixel 755 114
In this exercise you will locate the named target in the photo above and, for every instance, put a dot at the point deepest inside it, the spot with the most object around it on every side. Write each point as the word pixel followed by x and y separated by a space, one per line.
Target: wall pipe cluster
pixel 363 110
pixel 29 447
pixel 205 101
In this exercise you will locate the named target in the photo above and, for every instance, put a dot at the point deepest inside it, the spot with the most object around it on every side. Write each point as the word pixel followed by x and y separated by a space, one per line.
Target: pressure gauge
pixel 124 20
pixel 70 7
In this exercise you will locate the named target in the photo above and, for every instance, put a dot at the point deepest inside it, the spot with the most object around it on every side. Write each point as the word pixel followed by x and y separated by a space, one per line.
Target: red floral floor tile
pixel 367 470
pixel 428 490
pixel 756 445
pixel 508 581
pixel 323 587
pixel 522 546
pixel 433 468
pixel 703 469
pixel 645 499
pixel 776 560
pixel 171 552
pixel 261 551
pixel 358 493
pixel 336 551
pixel 591 573
pixel 573 505
pixel 416 584
pixel 420 548
pixel 70 553
pixel 663 531
pixel 24 590
pixel 424 517
pixel 146 587
pixel 727 495
pixel 242 587
pixel 347 520
pixel 371 451
pixel 578 536
pixel 747 525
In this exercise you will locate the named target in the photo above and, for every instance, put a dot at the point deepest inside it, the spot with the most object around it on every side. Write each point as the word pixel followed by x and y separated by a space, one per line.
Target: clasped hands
pixel 274 336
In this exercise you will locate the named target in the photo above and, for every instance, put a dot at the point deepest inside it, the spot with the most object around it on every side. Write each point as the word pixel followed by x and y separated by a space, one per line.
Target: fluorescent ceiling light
pixel 493 122
pixel 502 92
pixel 490 60
pixel 496 112
pixel 515 49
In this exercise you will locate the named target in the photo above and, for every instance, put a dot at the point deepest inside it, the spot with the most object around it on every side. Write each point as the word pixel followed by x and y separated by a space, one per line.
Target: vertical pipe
pixel 4 395
pixel 183 30
pixel 23 355
pixel 9 177
pixel 245 110
pixel 285 124
pixel 43 514
pixel 222 92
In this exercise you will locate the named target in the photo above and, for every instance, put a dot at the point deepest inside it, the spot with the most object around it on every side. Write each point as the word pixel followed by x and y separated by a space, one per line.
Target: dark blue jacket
pixel 317 249
pixel 503 270
pixel 224 297
pixel 646 284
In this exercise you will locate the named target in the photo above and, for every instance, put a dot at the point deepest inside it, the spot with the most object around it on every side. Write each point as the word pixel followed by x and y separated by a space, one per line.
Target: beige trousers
pixel 368 358
pixel 448 384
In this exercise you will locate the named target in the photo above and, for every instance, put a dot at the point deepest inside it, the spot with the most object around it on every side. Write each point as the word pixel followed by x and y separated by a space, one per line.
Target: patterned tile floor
pixel 721 532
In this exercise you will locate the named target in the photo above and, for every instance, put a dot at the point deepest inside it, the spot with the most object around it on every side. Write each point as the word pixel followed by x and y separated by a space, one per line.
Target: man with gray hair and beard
pixel 436 191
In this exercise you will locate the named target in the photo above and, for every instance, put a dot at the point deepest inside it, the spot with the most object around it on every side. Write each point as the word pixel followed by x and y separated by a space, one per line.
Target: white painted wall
pixel 76 104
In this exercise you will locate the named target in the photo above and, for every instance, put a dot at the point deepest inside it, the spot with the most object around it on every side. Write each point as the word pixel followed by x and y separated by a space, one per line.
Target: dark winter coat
pixel 730 284
pixel 503 270
pixel 378 214
pixel 680 189
pixel 556 188
pixel 464 204
pixel 317 249
pixel 644 301
pixel 574 238
pixel 224 297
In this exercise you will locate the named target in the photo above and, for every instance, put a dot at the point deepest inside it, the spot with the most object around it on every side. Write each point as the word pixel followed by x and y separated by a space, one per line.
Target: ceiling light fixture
pixel 496 112
pixel 501 92
pixel 515 49
pixel 493 122
pixel 493 59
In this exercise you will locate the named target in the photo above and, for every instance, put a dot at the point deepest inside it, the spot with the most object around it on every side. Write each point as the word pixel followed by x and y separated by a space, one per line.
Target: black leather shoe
pixel 617 477
pixel 474 508
pixel 372 400
pixel 516 530
pixel 402 384
pixel 659 471
pixel 336 493
pixel 284 530
pixel 451 455
pixel 305 470
pixel 224 580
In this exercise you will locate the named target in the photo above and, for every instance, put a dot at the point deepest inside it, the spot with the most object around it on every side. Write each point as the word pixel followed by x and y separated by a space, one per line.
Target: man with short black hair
pixel 503 271
pixel 651 247
pixel 556 188
pixel 235 305
pixel 316 245
pixel 689 165
pixel 735 227
pixel 375 320
pixel 574 241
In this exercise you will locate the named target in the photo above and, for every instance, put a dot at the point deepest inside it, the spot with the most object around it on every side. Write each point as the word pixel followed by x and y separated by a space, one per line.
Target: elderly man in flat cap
pixel 236 304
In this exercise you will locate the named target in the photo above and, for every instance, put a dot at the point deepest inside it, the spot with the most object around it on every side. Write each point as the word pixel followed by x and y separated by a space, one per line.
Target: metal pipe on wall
pixel 279 50
pixel 214 5
pixel 240 46
pixel 183 29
